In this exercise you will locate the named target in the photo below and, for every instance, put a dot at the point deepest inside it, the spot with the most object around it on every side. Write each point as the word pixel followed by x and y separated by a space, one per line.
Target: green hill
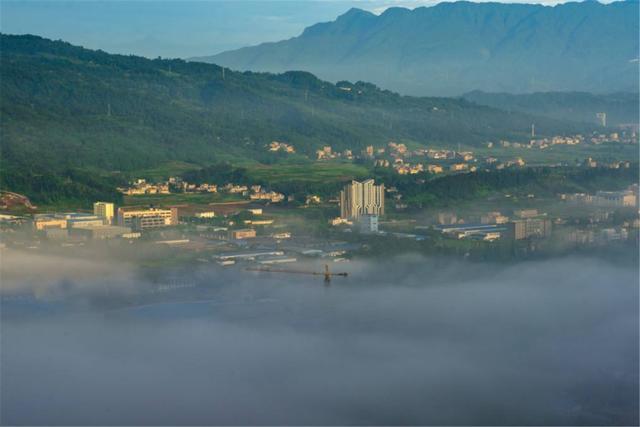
pixel 65 108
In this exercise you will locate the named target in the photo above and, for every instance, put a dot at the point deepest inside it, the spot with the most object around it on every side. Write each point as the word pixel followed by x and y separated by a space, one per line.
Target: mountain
pixel 63 108
pixel 453 48
pixel 621 108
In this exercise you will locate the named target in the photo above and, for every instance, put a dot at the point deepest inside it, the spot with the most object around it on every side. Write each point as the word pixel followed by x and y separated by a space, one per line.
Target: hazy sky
pixel 177 28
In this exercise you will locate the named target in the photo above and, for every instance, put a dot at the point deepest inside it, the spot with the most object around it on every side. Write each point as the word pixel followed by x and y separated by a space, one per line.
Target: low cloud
pixel 408 341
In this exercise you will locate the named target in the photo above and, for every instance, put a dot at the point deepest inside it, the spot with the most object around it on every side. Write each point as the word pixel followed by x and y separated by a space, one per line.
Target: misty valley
pixel 409 340
pixel 340 213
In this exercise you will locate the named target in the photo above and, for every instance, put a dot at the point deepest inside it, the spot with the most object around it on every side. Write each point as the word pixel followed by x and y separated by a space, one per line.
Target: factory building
pixel 85 221
pixel 101 232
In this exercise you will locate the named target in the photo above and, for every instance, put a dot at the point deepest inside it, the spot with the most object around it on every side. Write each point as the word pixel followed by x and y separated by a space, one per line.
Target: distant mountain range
pixel 620 108
pixel 453 48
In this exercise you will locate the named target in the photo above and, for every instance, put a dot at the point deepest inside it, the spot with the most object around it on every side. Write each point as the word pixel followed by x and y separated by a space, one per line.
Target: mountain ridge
pixel 464 46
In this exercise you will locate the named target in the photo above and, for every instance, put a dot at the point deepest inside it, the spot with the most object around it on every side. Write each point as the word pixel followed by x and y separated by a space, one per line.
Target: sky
pixel 183 29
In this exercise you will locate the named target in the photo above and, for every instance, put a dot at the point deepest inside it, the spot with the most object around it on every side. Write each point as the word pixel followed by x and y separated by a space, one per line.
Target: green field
pixel 180 198
pixel 308 172
pixel 165 170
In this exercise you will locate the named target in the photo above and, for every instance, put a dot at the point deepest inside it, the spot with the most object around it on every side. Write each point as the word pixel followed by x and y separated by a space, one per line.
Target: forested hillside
pixel 64 107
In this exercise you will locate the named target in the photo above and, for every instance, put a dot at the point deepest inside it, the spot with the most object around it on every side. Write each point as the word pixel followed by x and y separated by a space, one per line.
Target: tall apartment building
pixel 361 198
pixel 104 210
pixel 139 219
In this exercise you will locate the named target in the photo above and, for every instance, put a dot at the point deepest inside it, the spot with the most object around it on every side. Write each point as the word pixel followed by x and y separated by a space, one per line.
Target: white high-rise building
pixel 361 198
pixel 104 210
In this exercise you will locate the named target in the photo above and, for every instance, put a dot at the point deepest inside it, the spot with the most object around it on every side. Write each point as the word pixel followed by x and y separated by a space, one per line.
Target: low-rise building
pixel 435 169
pixel 100 232
pixel 487 232
pixel 283 259
pixel 612 234
pixel 85 221
pixel 368 224
pixel 494 218
pixel 244 233
pixel 615 198
pixel 457 167
pixel 205 214
pixel 140 219
pixel 44 222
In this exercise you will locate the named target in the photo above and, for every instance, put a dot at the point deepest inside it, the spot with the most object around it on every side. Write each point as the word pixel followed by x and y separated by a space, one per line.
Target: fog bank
pixel 409 341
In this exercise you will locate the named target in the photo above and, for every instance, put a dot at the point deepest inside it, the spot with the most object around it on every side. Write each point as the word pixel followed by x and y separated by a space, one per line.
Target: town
pixel 259 228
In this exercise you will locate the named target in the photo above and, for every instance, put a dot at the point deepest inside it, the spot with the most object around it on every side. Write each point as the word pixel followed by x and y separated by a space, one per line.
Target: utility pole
pixel 109 109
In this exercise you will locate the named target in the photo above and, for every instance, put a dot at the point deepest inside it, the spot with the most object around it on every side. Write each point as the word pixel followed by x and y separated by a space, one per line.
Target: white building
pixel 104 210
pixel 361 198
pixel 140 219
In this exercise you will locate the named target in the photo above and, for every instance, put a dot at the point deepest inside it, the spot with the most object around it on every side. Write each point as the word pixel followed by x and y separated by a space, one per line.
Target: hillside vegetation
pixel 65 108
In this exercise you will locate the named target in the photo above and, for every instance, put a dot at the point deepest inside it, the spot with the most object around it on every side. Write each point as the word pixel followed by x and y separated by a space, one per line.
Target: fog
pixel 407 341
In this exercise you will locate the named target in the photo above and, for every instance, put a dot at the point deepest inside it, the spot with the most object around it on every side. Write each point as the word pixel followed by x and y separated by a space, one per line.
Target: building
pixel 612 235
pixel 104 210
pixel 244 233
pixel 487 232
pixel 283 259
pixel 525 228
pixel 368 224
pixel 140 219
pixel 361 198
pixel 494 218
pixel 447 218
pixel 457 167
pixel 56 234
pixel 247 255
pixel 44 222
pixel 82 220
pixel 101 232
pixel 615 198
pixel 526 213
pixel 205 214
